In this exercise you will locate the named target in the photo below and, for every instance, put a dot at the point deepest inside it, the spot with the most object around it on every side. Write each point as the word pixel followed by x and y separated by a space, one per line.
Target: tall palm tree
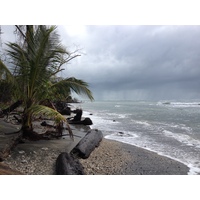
pixel 36 64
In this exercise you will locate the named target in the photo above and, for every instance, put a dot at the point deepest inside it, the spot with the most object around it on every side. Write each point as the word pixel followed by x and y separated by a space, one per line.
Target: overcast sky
pixel 135 62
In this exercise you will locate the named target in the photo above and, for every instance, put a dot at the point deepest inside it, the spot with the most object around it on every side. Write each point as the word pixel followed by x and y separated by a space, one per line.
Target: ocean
pixel 171 129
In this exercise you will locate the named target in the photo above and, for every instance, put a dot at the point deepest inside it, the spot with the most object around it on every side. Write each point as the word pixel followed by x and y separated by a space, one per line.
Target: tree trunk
pixel 27 128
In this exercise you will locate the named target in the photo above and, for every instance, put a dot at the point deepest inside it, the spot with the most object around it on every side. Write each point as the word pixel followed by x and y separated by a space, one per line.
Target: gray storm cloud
pixel 135 62
pixel 140 62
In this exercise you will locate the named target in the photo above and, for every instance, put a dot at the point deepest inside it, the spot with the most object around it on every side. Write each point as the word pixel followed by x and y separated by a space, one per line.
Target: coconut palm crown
pixel 36 62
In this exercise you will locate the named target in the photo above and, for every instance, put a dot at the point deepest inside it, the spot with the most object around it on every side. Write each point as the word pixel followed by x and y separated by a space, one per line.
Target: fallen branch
pixel 12 107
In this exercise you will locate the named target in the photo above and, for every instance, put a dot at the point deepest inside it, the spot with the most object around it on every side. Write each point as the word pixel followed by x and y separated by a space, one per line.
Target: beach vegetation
pixel 36 59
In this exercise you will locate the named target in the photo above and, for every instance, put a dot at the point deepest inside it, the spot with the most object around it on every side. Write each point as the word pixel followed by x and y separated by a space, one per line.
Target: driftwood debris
pixel 66 164
pixel 6 170
pixel 8 147
pixel 12 107
pixel 87 144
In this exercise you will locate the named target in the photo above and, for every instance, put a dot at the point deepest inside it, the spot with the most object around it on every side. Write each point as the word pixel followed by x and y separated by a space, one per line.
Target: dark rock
pixel 87 121
pixel 77 118
pixel 62 107
pixel 43 123
pixel 87 144
pixel 66 164
pixel 66 111
pixel 78 115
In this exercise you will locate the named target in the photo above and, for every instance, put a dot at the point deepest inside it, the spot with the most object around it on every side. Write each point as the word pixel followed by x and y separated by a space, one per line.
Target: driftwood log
pixel 87 144
pixel 66 164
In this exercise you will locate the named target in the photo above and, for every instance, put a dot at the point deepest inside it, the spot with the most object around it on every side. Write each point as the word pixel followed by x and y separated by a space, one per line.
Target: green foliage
pixel 5 73
pixel 39 110
pixel 76 85
pixel 36 63
pixel 6 91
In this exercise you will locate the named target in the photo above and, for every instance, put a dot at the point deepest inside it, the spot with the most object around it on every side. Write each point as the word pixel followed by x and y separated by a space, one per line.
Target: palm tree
pixel 36 63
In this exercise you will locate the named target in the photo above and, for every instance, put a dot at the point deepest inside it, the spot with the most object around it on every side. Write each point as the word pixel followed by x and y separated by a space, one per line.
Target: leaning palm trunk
pixel 27 127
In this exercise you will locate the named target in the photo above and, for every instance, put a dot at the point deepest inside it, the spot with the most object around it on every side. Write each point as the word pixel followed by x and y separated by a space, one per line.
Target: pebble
pixel 43 161
pixel 24 161
pixel 109 158
pixel 45 148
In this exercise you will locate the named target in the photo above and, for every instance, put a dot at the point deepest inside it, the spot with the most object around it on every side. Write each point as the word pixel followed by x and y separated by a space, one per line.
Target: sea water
pixel 168 128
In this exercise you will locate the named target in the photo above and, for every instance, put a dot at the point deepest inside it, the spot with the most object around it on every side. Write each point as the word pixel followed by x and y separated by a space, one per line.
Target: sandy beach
pixel 110 158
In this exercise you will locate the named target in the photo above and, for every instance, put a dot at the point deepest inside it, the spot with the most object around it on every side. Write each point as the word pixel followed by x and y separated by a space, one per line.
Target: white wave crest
pixel 179 104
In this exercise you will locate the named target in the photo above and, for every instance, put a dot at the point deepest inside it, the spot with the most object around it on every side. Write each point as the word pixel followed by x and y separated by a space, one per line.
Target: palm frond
pixel 5 73
pixel 78 86
pixel 37 110
pixel 37 60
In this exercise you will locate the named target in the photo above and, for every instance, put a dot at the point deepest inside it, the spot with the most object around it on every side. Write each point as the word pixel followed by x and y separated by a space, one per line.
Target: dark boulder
pixel 62 107
pixel 86 121
pixel 87 144
pixel 43 123
pixel 66 164
pixel 66 111
pixel 78 115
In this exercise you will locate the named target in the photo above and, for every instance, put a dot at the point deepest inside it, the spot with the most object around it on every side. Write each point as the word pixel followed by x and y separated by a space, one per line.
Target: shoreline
pixel 110 158
pixel 190 167
pixel 130 160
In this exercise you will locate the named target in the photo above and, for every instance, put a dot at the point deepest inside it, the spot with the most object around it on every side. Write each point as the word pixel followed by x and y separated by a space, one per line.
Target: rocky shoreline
pixel 116 158
pixel 110 158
